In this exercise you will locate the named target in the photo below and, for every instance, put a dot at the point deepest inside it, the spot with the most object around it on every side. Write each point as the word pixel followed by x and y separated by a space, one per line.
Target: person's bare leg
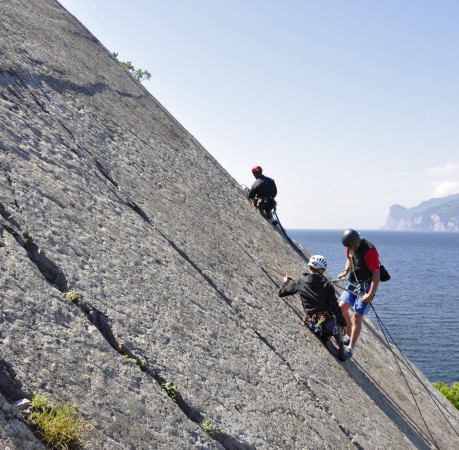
pixel 345 310
pixel 356 327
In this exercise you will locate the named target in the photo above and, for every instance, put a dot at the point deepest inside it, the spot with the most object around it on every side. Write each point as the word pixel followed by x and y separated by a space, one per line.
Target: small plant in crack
pixel 134 360
pixel 170 389
pixel 71 296
pixel 209 427
pixel 58 424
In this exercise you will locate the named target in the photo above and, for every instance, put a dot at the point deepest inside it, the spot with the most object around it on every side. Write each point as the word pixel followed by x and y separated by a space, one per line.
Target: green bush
pixel 138 74
pixel 450 392
pixel 57 424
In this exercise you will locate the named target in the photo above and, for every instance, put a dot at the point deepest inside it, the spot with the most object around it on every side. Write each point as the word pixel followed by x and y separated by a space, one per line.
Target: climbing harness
pixel 357 287
pixel 260 200
pixel 321 316
pixel 316 322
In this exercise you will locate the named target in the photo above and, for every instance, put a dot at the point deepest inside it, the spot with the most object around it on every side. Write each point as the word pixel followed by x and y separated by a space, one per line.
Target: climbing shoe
pixel 274 222
pixel 346 340
pixel 349 352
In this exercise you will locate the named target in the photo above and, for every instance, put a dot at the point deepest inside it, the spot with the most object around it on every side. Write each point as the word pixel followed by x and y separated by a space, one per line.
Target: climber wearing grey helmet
pixel 362 262
pixel 319 301
pixel 317 262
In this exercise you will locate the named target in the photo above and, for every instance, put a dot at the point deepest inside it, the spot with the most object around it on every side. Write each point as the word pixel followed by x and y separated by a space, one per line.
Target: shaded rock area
pixel 104 193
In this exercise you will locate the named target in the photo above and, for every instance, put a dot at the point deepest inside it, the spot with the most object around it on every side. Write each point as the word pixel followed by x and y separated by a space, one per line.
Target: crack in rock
pixel 138 210
pixel 51 271
pixel 103 323
pixel 10 386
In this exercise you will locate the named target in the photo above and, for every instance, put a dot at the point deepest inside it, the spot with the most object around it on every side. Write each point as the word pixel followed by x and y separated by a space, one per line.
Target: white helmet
pixel 317 262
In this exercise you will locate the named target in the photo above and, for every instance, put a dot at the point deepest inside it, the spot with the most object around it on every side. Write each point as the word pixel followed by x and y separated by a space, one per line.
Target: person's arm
pixel 252 194
pixel 288 287
pixel 376 276
pixel 372 262
pixel 253 190
pixel 347 267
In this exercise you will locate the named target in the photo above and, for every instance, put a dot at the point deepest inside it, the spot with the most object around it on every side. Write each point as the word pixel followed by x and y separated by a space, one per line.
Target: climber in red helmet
pixel 262 194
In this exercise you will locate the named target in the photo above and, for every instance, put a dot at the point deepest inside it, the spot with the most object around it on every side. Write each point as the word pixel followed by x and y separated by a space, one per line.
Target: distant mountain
pixel 436 214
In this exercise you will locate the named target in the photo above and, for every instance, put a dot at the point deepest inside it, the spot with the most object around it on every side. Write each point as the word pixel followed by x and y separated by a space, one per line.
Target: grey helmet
pixel 349 236
pixel 317 262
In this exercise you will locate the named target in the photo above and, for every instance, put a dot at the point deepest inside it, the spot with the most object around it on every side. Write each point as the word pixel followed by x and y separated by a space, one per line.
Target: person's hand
pixel 287 279
pixel 367 298
pixel 342 275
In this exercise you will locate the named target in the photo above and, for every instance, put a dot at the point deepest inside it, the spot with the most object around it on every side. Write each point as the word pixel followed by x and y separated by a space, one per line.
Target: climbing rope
pixel 385 334
pixel 385 330
pixel 290 241
pixel 357 288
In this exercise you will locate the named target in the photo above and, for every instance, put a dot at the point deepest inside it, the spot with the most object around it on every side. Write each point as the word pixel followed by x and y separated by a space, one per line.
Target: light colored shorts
pixel 359 306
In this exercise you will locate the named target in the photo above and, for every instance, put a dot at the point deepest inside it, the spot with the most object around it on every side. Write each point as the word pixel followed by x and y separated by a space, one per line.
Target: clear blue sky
pixel 350 105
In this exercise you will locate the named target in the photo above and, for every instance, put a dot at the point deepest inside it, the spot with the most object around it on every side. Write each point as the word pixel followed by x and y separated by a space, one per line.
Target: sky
pixel 351 106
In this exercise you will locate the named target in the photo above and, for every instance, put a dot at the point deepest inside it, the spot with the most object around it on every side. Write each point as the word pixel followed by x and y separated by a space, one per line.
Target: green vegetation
pixel 139 362
pixel 57 424
pixel 138 74
pixel 209 427
pixel 450 392
pixel 71 296
pixel 134 360
pixel 170 389
pixel 40 401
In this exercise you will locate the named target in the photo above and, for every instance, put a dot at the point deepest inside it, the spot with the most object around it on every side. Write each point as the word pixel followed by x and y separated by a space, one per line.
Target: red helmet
pixel 256 169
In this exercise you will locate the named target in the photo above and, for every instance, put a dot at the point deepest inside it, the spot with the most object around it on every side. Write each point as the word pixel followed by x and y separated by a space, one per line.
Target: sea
pixel 419 305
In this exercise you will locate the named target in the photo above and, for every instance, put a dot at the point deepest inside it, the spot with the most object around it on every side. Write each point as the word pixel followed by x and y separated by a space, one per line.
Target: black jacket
pixel 263 187
pixel 317 294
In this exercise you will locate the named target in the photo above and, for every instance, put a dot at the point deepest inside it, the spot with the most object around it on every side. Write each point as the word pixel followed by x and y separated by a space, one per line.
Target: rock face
pixel 105 195
pixel 437 214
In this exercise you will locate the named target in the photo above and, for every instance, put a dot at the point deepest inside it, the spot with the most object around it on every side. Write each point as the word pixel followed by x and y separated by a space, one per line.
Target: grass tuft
pixel 57 424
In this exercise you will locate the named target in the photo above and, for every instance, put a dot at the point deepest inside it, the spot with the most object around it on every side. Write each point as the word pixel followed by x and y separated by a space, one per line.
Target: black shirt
pixel 263 187
pixel 317 295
